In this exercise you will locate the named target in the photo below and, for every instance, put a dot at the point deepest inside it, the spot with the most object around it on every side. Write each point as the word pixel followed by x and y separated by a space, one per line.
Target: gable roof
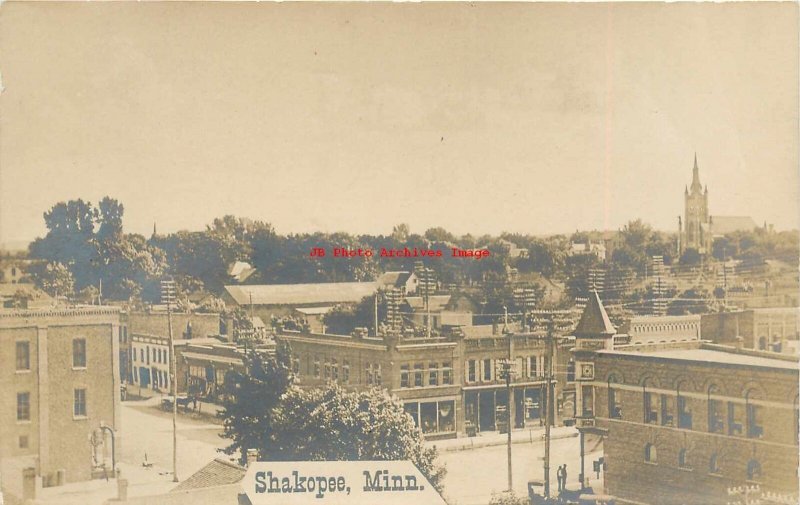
pixel 721 225
pixel 436 302
pixel 217 473
pixel 299 294
pixel 396 279
pixel 594 320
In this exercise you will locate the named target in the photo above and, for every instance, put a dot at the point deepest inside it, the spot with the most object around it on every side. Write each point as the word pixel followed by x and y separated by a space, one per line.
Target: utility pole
pixel 548 406
pixel 376 313
pixel 507 367
pixel 168 296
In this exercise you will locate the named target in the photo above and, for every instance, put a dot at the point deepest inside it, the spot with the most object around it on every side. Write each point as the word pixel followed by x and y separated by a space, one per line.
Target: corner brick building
pixel 684 422
pixel 59 381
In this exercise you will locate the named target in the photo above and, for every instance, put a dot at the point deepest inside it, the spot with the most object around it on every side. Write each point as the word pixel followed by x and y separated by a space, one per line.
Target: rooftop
pixel 217 473
pixel 594 321
pixel 299 294
pixel 711 357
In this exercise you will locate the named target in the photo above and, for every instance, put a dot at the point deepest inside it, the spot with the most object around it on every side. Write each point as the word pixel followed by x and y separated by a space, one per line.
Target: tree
pixel 250 401
pixel 401 232
pixel 330 424
pixel 54 278
pixel 343 319
pixel 691 257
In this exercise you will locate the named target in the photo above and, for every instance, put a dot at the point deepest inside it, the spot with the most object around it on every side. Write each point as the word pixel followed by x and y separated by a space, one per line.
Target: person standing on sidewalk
pixel 558 478
pixel 564 478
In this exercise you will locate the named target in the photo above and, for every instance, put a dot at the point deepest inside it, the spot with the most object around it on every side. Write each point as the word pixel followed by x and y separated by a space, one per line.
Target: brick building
pixel 684 422
pixel 446 383
pixel 763 329
pixel 60 382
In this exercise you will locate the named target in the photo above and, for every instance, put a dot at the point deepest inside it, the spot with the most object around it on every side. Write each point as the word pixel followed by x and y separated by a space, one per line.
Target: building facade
pixel 451 385
pixel 60 382
pixel 685 422
pixel 771 329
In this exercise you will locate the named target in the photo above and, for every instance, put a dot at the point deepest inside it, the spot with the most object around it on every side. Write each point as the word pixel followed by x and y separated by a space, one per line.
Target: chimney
pixel 252 456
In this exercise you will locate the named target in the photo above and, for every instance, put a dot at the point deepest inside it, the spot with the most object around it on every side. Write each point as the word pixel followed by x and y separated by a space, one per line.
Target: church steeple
pixel 696 186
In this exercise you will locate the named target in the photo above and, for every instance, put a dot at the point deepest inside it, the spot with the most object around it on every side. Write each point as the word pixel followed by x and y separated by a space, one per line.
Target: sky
pixel 480 118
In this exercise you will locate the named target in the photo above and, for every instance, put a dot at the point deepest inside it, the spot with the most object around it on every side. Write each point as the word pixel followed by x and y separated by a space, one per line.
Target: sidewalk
pixel 492 438
pixel 204 410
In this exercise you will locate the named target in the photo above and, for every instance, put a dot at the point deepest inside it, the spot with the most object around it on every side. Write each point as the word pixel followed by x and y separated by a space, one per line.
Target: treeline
pixel 86 249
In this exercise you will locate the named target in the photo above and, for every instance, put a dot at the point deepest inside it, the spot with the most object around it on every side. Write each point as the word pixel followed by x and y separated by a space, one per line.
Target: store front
pixel 486 409
pixel 437 418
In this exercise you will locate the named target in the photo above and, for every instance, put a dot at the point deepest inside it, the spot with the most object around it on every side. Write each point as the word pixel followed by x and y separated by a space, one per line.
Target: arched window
pixel 682 458
pixel 684 408
pixel 650 453
pixel 650 403
pixel 713 464
pixel 755 426
pixel 614 404
pixel 716 419
pixel 753 470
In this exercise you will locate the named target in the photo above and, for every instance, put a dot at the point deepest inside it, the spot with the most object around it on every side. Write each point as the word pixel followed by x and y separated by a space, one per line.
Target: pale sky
pixel 532 118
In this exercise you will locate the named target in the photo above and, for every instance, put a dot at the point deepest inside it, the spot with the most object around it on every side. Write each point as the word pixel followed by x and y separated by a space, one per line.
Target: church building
pixel 698 228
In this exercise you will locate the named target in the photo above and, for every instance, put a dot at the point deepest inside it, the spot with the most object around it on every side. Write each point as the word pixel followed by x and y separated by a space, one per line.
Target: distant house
pixel 408 282
pixel 586 248
pixel 266 300
pixel 24 296
pixel 313 316
pixel 240 271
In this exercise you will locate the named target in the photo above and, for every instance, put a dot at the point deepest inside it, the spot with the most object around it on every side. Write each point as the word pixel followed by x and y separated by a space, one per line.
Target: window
pixel 79 353
pixel 716 422
pixel 614 405
pixel 141 355
pixel 587 400
pixel 148 354
pixel 571 371
pixel 79 403
pixel 345 371
pixel 650 453
pixel 753 470
pixel 377 372
pixel 335 369
pixel 735 418
pixel 447 373
pixel 472 369
pixel 650 408
pixel 684 412
pixel 404 382
pixel 682 461
pixel 667 410
pixel 327 370
pixel 713 464
pixel 23 406
pixel 433 374
pixel 487 370
pixel 316 367
pixel 532 360
pixel 23 356
pixel 23 442
pixel 755 425
pixel 418 371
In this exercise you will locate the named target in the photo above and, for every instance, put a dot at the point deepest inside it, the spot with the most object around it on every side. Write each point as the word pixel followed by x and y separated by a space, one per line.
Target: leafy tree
pixel 330 424
pixel 440 235
pixel 343 319
pixel 401 232
pixel 691 257
pixel 54 278
pixel 250 400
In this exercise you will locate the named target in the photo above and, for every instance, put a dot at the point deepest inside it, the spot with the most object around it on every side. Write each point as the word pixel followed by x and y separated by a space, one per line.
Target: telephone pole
pixel 168 297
